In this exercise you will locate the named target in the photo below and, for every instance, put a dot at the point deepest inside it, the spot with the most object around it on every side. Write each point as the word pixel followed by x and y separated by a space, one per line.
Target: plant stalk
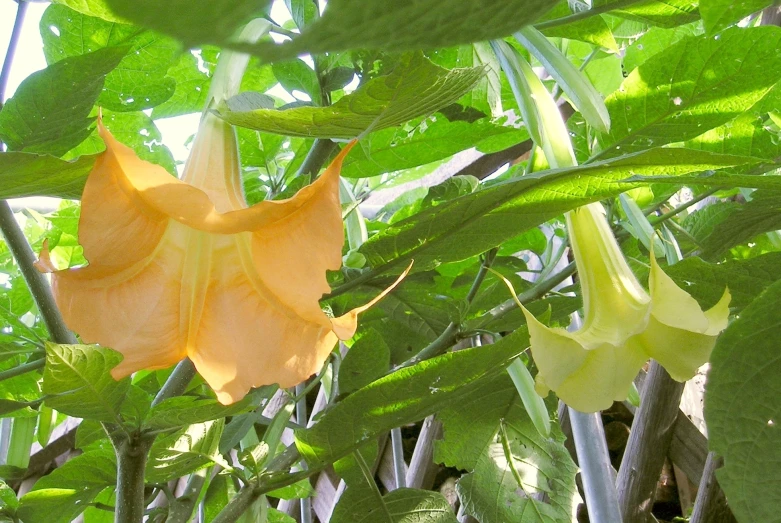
pixel 596 470
pixel 13 42
pixel 131 462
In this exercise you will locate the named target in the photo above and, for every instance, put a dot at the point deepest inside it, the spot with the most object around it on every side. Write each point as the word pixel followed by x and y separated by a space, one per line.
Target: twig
pixel 648 445
pixel 22 369
pixel 177 382
pixel 301 418
pixel 316 157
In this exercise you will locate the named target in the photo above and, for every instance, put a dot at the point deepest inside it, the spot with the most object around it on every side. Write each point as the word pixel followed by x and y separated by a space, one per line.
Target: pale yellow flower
pixel 623 325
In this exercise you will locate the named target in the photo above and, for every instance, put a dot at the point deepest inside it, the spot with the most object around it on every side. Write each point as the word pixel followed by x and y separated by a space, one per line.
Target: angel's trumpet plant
pixel 623 325
pixel 183 268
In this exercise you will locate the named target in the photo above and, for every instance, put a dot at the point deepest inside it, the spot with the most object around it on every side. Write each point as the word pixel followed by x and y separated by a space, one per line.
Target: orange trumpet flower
pixel 183 268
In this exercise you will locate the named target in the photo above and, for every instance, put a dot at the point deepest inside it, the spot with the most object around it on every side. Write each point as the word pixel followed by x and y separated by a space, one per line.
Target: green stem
pixel 22 369
pixel 177 382
pixel 594 11
pixel 131 462
pixel 316 157
pixel 239 504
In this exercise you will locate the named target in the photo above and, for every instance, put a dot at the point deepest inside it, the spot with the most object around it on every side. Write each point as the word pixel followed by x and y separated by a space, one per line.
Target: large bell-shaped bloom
pixel 183 268
pixel 623 324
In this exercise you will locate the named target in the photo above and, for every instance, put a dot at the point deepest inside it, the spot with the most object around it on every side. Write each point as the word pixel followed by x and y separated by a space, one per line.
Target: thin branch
pixel 16 32
pixel 177 382
pixel 316 157
pixel 22 369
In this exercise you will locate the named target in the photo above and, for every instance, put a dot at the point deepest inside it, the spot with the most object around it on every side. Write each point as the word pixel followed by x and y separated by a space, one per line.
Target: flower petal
pixel 586 380
pixel 672 305
pixel 681 352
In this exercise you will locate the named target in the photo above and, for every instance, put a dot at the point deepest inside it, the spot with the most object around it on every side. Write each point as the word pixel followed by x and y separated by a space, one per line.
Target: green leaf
pixel 187 410
pixel 404 396
pixel 746 279
pixel 28 174
pixel 409 25
pixel 719 14
pixel 743 409
pixel 663 13
pixel 491 434
pixel 77 382
pixel 95 469
pixel 55 505
pixel 417 87
pixel 406 505
pixel 202 21
pixel 185 452
pixel 296 75
pixel 654 41
pixel 137 131
pixel 433 139
pixel 484 219
pixel 192 87
pixel 367 360
pixel 299 490
pixel 759 215
pixel 96 8
pixel 139 81
pixel 695 85
pixel 49 112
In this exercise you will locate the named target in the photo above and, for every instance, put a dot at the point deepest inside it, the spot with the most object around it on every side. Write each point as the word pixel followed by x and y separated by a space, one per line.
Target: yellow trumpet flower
pixel 183 268
pixel 623 324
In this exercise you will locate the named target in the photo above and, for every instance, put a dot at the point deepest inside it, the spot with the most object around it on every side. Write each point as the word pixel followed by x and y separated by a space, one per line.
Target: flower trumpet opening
pixel 183 268
pixel 624 325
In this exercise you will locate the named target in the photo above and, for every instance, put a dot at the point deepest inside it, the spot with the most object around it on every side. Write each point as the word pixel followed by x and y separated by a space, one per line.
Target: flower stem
pixel 177 382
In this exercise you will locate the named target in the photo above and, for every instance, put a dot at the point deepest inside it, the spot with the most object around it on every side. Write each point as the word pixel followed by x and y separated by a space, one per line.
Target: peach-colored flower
pixel 183 268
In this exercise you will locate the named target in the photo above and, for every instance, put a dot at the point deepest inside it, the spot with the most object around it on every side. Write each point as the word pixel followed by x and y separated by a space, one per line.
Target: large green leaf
pixel 695 85
pixel 760 214
pixel 94 469
pixel 367 360
pixel 139 81
pixel 77 382
pixel 662 13
pixel 479 221
pixel 402 505
pixel 518 474
pixel 718 14
pixel 404 396
pixel 27 174
pixel 185 452
pixel 191 21
pixel 434 139
pixel 416 87
pixel 743 409
pixel 96 8
pixel 49 112
pixel 55 505
pixel 406 24
pixel 746 279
